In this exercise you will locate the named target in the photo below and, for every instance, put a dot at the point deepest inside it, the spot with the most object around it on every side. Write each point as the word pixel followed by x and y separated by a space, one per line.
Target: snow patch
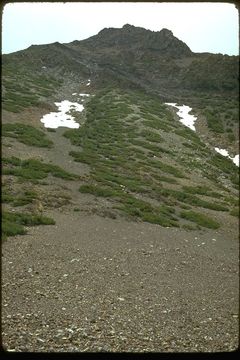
pixel 225 153
pixel 54 120
pixel 185 118
pixel 89 82
pixel 189 120
pixel 84 95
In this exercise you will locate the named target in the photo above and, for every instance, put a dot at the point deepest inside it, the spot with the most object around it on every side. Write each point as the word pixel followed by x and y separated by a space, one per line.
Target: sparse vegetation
pixel 26 134
pixel 125 142
pixel 114 154
pixel 200 219
pixel 235 212
pixel 24 88
pixel 27 197
pixel 13 223
pixel 33 169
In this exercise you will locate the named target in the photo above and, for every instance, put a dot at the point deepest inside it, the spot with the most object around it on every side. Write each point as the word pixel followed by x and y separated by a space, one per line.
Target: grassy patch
pixel 146 212
pixel 98 191
pixel 157 125
pixel 235 212
pixel 200 219
pixel 124 157
pixel 26 134
pixel 191 199
pixel 166 168
pixel 214 121
pixel 25 198
pixel 23 86
pixel 201 190
pixel 33 169
pixel 13 223
pixel 188 134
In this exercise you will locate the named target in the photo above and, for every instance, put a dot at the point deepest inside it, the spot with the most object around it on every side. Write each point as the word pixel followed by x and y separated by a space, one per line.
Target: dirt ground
pixel 95 284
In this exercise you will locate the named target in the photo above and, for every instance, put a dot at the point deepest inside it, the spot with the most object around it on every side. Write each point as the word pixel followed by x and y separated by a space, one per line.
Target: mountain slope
pixel 139 248
pixel 127 127
pixel 134 57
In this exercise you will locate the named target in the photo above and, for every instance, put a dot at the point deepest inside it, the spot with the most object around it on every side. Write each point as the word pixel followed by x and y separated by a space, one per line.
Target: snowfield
pixel 61 118
pixel 223 152
pixel 189 120
pixel 185 118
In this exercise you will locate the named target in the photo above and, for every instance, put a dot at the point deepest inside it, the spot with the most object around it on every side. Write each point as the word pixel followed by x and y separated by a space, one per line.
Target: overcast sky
pixel 204 27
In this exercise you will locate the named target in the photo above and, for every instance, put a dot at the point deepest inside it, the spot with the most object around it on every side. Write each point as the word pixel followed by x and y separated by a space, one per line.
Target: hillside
pixel 130 167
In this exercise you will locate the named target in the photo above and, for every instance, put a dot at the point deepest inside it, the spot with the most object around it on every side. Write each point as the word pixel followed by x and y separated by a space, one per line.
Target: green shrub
pixel 98 191
pixel 224 164
pixel 33 169
pixel 26 134
pixel 13 223
pixel 158 219
pixel 191 199
pixel 200 219
pixel 234 212
pixel 214 122
pixel 166 168
pixel 201 190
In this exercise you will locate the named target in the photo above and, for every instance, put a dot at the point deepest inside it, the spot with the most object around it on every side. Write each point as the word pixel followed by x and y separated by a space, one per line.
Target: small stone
pixel 70 330
pixel 40 340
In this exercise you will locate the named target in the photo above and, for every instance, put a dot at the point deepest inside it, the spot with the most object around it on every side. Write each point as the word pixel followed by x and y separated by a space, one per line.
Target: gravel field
pixel 92 284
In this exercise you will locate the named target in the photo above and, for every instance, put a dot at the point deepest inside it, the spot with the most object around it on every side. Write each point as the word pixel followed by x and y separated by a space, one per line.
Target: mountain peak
pixel 166 32
pixel 132 38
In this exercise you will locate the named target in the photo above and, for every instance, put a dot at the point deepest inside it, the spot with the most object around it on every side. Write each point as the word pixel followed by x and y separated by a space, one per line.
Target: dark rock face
pixel 155 61
pixel 132 37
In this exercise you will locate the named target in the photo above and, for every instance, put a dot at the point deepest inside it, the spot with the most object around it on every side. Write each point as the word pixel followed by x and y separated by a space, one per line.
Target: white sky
pixel 204 27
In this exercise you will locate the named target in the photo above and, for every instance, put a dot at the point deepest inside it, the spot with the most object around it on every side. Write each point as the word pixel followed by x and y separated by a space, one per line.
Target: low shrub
pixel 13 223
pixel 26 134
pixel 33 169
pixel 200 219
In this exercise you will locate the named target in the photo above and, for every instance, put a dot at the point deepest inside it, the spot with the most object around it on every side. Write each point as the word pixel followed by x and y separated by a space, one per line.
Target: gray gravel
pixel 90 284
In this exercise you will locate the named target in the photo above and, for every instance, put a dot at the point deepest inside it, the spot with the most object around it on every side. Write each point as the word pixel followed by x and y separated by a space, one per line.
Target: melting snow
pixel 223 152
pixel 89 82
pixel 74 93
pixel 185 118
pixel 61 118
pixel 235 159
pixel 189 120
pixel 84 94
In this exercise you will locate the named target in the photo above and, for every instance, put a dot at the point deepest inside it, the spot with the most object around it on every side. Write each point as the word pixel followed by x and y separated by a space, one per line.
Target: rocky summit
pixel 120 196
